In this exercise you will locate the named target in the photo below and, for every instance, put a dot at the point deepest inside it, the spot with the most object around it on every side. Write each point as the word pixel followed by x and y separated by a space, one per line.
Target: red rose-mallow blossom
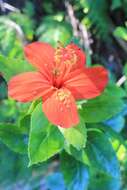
pixel 62 78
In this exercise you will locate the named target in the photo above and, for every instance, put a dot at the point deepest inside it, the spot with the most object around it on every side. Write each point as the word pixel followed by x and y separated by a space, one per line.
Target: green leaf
pixel 116 91
pixel 115 138
pixel 101 158
pixel 10 67
pixel 3 89
pixel 24 123
pixel 76 136
pixel 25 22
pixel 11 111
pixel 76 174
pixel 103 107
pixel 125 73
pixel 116 4
pixel 8 111
pixel 104 156
pixel 125 69
pixel 12 137
pixel 52 31
pixel 102 181
pixel 104 168
pixel 11 44
pixel 45 140
pixel 121 32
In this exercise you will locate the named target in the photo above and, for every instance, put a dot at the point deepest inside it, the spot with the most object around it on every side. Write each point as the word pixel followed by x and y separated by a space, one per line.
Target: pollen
pixel 58 54
pixel 56 72
pixel 69 57
pixel 72 58
pixel 63 96
pixel 65 56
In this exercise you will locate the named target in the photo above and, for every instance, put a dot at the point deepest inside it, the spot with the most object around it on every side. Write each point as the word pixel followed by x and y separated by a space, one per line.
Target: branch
pixel 11 8
pixel 72 17
pixel 7 6
pixel 122 44
pixel 79 30
pixel 85 38
pixel 121 80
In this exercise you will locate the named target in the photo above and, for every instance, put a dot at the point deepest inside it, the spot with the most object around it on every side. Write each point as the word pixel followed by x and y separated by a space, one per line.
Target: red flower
pixel 61 79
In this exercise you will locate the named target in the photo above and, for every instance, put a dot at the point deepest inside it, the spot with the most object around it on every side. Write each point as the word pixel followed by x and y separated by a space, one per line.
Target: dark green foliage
pixel 109 104
pixel 36 155
pixel 78 176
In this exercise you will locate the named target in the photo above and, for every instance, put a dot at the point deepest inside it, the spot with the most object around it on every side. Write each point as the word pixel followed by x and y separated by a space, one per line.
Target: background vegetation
pixel 100 28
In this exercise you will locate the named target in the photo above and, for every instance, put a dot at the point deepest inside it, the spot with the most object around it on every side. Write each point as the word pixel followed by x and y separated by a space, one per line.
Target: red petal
pixel 81 57
pixel 61 109
pixel 29 86
pixel 40 55
pixel 87 84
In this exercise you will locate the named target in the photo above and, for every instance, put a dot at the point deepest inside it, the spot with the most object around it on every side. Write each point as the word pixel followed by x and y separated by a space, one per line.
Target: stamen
pixel 72 59
pixel 58 55
pixel 63 96
pixel 65 55
pixel 56 72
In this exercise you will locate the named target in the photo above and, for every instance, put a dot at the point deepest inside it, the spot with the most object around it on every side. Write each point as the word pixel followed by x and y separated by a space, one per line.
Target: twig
pixel 79 30
pixel 4 6
pixel 10 7
pixel 85 38
pixel 122 44
pixel 72 17
pixel 121 80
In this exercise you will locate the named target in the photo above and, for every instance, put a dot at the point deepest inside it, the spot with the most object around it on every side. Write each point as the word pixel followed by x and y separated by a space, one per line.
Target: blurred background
pixel 99 27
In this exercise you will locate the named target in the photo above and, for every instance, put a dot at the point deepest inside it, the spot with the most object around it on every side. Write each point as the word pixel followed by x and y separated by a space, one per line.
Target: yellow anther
pixel 62 96
pixel 65 56
pixel 56 72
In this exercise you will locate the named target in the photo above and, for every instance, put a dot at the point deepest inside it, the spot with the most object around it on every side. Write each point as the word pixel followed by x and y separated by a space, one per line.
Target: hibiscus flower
pixel 61 79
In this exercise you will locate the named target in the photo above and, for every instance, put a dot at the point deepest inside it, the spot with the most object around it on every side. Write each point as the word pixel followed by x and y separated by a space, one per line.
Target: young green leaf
pixel 76 136
pixel 121 32
pixel 45 140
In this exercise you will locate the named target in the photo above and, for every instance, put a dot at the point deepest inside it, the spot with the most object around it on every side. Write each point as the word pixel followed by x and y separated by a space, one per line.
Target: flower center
pixel 64 60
